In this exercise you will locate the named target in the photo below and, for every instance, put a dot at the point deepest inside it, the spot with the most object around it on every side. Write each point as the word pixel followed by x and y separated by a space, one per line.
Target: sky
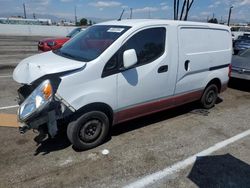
pixel 111 9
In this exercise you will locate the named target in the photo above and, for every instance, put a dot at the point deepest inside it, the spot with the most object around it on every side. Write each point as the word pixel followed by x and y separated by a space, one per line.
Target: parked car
pixel 240 30
pixel 233 37
pixel 241 65
pixel 48 44
pixel 242 43
pixel 120 70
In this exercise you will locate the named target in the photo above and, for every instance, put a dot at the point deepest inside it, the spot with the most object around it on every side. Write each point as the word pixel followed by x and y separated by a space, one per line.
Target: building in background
pixel 22 21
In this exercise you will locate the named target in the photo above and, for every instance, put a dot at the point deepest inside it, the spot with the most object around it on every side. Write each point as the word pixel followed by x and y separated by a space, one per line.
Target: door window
pixel 149 45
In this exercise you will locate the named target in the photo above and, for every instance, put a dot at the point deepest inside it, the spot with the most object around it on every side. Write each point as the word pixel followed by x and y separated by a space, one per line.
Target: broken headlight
pixel 36 101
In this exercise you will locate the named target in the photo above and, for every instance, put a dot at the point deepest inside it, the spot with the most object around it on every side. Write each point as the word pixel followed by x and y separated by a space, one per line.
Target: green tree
pixel 213 20
pixel 83 21
pixel 90 22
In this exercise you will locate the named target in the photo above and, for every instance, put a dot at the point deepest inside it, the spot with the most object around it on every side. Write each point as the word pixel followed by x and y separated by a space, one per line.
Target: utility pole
pixel 24 11
pixel 229 15
pixel 175 10
pixel 75 16
pixel 131 13
pixel 187 7
pixel 182 10
pixel 188 4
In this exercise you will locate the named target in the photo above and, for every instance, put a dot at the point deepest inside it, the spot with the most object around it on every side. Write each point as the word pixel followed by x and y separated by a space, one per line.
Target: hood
pixel 241 62
pixel 34 67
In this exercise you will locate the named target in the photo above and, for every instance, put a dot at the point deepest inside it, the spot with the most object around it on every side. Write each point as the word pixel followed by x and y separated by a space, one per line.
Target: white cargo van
pixel 120 70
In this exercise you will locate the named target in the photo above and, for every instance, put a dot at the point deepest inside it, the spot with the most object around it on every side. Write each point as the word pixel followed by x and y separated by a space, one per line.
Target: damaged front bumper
pixel 42 117
pixel 46 122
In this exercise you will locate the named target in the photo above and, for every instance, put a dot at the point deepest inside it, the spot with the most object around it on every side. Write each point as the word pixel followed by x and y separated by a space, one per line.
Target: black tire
pixel 209 96
pixel 89 130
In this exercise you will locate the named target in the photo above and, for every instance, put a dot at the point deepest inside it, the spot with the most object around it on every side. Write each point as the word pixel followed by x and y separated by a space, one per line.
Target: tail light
pixel 229 70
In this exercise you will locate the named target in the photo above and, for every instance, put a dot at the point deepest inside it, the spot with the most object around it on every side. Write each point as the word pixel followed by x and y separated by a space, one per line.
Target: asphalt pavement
pixel 137 149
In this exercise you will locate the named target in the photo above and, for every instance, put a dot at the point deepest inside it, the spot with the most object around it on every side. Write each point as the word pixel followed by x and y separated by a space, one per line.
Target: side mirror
pixel 129 58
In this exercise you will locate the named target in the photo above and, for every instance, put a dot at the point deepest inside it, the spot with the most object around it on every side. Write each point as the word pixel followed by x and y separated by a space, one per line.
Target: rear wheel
pixel 89 130
pixel 209 96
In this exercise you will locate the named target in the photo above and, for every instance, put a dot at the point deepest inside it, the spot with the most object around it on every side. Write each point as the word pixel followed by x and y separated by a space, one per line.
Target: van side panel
pixel 204 53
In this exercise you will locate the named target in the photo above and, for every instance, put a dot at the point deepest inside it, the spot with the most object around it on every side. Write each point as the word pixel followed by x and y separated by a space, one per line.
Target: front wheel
pixel 89 130
pixel 209 96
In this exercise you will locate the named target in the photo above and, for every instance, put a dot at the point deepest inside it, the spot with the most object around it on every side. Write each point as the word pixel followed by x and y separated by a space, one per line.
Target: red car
pixel 48 44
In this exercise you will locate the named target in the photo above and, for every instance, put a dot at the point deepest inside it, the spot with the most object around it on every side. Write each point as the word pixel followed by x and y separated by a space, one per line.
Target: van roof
pixel 148 22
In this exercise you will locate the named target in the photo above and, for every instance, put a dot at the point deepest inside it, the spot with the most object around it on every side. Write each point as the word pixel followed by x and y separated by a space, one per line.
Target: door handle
pixel 186 65
pixel 163 68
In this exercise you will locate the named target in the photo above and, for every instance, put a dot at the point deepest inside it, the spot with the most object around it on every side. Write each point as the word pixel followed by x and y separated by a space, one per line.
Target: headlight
pixel 37 100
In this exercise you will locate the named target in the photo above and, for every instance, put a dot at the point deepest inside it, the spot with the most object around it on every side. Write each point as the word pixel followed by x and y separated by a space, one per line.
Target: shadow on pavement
pixel 220 171
pixel 239 84
pixel 50 145
pixel 151 119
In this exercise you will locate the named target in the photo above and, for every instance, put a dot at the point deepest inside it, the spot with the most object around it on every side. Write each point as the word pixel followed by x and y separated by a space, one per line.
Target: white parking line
pixel 152 178
pixel 8 107
pixel 5 76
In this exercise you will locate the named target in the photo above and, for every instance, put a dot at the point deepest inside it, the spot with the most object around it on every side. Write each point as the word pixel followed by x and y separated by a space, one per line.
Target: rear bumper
pixel 240 75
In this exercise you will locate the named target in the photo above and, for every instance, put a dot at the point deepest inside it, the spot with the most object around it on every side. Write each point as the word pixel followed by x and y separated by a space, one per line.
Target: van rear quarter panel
pixel 206 48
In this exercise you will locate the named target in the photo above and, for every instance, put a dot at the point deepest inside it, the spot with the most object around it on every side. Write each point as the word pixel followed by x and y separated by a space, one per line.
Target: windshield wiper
pixel 68 55
pixel 65 54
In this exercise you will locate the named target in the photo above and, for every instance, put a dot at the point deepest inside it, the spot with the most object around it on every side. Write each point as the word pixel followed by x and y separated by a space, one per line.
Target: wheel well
pixel 96 107
pixel 217 82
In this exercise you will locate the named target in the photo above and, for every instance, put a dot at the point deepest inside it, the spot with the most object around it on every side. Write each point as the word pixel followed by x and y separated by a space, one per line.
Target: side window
pixel 112 66
pixel 149 44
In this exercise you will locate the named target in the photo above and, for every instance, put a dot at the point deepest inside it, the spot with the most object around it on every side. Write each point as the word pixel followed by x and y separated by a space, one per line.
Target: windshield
pixel 88 45
pixel 73 32
pixel 244 29
pixel 245 53
pixel 244 37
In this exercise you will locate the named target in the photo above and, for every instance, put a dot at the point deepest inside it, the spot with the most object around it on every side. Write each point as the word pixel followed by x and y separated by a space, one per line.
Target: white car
pixel 120 70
